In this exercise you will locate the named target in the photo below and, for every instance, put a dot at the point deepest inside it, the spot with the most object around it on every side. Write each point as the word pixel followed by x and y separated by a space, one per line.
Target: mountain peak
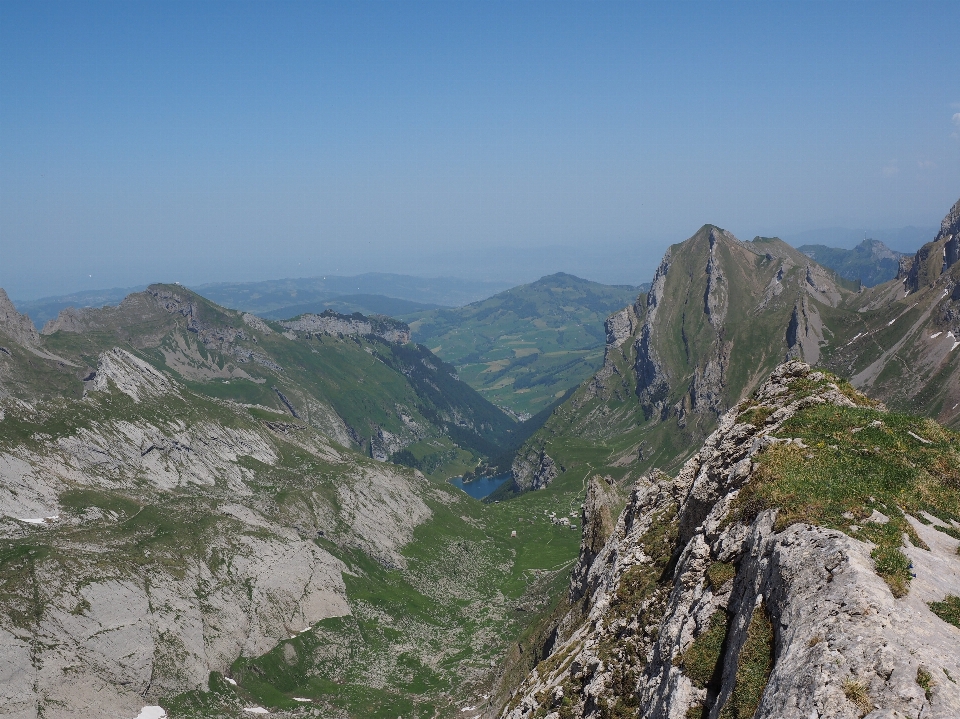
pixel 17 326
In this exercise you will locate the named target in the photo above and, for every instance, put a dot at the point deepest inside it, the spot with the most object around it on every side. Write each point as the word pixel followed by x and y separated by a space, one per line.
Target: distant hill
pixel 348 304
pixel 525 347
pixel 270 296
pixel 871 262
pixel 371 293
pixel 902 239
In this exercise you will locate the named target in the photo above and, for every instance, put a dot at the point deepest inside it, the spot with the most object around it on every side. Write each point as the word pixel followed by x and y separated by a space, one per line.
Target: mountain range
pixel 222 514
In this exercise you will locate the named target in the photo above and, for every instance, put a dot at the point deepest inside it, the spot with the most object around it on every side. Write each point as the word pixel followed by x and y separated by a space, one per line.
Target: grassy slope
pixel 524 347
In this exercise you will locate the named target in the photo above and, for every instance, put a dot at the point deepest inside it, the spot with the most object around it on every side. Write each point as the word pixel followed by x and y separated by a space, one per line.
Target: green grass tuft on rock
pixel 702 659
pixel 753 669
pixel 948 610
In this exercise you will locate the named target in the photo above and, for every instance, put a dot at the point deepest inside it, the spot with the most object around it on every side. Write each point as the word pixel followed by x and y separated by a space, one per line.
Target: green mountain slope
pixel 871 262
pixel 525 347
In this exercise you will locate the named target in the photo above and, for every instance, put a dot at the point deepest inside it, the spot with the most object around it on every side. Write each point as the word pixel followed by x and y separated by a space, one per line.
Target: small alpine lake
pixel 481 486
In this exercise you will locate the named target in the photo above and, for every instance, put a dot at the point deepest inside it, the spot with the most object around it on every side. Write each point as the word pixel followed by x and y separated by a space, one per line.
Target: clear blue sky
pixel 228 141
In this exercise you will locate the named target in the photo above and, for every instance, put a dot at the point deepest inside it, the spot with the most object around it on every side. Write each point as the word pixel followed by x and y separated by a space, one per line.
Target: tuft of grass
pixel 701 661
pixel 855 690
pixel 719 573
pixel 640 581
pixel 894 567
pixel 948 610
pixel 925 682
pixel 757 415
pixel 753 669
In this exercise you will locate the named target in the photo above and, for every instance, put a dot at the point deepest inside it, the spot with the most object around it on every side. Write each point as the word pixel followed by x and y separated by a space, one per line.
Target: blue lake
pixel 480 488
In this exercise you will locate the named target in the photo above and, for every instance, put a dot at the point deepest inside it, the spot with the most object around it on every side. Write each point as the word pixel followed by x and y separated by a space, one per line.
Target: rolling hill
pixel 525 347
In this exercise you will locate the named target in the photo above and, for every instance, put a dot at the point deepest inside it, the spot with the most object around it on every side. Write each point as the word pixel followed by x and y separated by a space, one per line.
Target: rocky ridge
pixel 701 604
pixel 333 323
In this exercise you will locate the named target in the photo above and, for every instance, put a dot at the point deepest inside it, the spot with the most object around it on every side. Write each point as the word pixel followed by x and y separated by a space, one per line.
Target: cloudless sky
pixel 208 141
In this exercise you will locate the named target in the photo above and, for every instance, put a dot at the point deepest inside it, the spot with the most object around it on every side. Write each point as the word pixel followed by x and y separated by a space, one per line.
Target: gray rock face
pixel 108 617
pixel 839 635
pixel 598 523
pixel 934 258
pixel 653 385
pixel 715 297
pixel 15 325
pixel 805 332
pixel 332 323
pixel 950 234
pixel 619 326
pixel 533 470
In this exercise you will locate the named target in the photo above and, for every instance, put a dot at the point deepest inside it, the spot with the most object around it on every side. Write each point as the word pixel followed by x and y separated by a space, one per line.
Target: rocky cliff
pixel 533 469
pixel 802 564
pixel 333 323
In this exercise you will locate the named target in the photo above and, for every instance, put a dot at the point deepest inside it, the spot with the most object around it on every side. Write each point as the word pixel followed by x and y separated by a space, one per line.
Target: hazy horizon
pixel 237 142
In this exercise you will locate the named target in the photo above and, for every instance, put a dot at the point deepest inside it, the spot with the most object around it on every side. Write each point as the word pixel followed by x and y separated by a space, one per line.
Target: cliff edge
pixel 802 564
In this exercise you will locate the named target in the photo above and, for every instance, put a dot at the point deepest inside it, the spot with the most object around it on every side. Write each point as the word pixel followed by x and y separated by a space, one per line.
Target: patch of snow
pixel 305 630
pixel 230 681
pixel 468 709
pixel 39 520
pixel 955 344
pixel 301 699
pixel 858 336
pixel 892 321
pixel 935 335
pixel 256 710
pixel 152 712
pixel 917 436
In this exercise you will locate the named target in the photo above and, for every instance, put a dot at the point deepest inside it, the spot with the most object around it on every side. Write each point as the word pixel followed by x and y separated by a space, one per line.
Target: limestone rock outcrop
pixel 333 323
pixel 681 571
pixel 153 561
pixel 532 470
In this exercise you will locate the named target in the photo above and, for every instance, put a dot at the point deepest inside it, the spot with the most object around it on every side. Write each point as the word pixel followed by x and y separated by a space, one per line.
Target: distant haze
pixel 905 239
pixel 232 141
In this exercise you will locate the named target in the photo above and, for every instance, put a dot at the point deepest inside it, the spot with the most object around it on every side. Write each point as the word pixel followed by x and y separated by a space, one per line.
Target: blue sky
pixel 232 141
